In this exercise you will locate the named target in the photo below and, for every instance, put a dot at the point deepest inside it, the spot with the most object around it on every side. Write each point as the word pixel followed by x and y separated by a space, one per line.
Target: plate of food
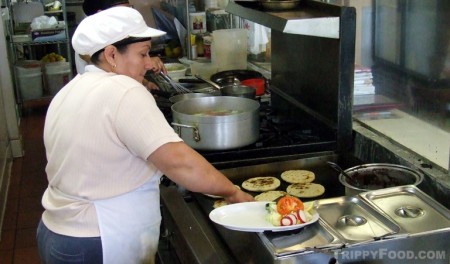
pixel 265 216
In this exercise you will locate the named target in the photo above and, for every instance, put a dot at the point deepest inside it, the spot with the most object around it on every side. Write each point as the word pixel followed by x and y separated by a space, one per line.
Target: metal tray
pixel 413 210
pixel 354 221
pixel 279 5
pixel 312 237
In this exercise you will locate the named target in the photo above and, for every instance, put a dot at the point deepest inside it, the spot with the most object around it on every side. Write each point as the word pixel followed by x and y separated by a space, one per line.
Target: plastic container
pixel 204 69
pixel 29 76
pixel 57 74
pixel 229 49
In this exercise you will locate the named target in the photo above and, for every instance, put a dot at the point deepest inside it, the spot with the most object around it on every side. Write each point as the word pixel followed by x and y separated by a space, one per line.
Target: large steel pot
pixel 376 176
pixel 217 123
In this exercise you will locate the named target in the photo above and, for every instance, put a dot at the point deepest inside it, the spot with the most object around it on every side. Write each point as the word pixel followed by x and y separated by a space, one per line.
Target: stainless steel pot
pixel 376 176
pixel 234 76
pixel 181 97
pixel 217 122
pixel 238 91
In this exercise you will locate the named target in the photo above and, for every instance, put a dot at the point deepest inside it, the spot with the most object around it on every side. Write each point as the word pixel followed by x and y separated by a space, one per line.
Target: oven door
pixel 187 233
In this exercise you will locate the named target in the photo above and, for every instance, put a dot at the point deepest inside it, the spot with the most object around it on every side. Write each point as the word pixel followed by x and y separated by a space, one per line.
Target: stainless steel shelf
pixel 22 47
pixel 306 19
pixel 33 43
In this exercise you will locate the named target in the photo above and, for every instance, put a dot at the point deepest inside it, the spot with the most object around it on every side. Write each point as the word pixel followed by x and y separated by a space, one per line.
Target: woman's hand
pixel 150 85
pixel 239 197
pixel 188 168
pixel 158 65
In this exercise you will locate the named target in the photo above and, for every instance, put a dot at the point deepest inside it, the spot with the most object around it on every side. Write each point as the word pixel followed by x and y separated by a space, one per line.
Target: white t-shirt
pixel 99 130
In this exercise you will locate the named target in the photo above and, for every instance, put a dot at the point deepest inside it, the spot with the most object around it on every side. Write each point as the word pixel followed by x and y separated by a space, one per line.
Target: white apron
pixel 129 225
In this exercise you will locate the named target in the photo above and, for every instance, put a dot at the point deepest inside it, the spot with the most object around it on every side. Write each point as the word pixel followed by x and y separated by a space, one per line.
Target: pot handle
pixel 178 127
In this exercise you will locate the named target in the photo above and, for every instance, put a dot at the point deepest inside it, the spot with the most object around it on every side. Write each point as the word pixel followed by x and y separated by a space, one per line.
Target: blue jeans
pixel 60 249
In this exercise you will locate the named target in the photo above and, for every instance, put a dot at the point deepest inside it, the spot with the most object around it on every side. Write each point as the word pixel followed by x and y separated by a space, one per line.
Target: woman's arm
pixel 188 168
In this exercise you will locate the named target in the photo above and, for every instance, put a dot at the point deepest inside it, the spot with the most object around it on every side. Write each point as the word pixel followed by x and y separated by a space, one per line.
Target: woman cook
pixel 107 145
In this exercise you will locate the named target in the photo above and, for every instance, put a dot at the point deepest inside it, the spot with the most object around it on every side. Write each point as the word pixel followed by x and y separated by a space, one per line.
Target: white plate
pixel 250 217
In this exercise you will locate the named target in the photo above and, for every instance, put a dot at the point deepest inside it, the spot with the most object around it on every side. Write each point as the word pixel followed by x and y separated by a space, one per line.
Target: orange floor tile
pixel 27 184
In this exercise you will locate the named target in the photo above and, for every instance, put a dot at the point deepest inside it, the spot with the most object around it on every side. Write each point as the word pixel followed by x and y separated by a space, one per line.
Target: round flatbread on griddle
pixel 298 176
pixel 307 190
pixel 269 196
pixel 261 184
pixel 220 203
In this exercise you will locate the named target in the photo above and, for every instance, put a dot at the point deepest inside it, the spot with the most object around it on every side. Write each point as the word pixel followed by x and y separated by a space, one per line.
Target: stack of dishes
pixel 279 5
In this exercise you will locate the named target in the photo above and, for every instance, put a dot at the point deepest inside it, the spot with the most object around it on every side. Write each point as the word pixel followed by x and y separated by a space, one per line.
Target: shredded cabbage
pixel 274 218
pixel 272 215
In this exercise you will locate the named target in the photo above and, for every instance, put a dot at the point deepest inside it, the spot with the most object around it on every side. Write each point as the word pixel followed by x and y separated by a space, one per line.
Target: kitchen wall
pixel 5 158
pixel 10 139
pixel 7 90
pixel 144 7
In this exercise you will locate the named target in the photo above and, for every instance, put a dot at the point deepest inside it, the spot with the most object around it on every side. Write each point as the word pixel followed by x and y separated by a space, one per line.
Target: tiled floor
pixel 28 182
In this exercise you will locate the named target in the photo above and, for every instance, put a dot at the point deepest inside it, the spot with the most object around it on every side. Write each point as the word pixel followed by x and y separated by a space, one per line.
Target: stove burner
pixel 278 130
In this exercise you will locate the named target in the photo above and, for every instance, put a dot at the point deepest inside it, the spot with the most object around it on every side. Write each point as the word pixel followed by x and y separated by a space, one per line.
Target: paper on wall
pixel 257 37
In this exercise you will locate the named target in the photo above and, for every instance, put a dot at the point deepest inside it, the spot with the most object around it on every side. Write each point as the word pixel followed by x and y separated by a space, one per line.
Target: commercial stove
pixel 306 120
pixel 393 225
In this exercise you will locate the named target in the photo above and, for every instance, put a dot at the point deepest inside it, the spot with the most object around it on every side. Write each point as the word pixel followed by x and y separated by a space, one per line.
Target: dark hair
pixel 110 3
pixel 120 45
pixel 91 7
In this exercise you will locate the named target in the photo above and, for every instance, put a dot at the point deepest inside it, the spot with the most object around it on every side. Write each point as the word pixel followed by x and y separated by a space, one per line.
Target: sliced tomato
pixel 289 204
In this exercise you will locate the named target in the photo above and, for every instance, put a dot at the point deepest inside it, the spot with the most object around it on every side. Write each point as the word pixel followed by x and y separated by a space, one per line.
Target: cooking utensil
pixel 178 87
pixel 232 89
pixel 229 77
pixel 376 176
pixel 217 122
pixel 238 91
pixel 229 80
pixel 340 170
pixel 185 96
pixel 213 84
pixel 190 80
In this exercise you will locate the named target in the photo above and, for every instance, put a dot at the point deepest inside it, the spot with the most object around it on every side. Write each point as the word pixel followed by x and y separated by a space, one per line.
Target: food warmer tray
pixel 354 221
pixel 413 210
